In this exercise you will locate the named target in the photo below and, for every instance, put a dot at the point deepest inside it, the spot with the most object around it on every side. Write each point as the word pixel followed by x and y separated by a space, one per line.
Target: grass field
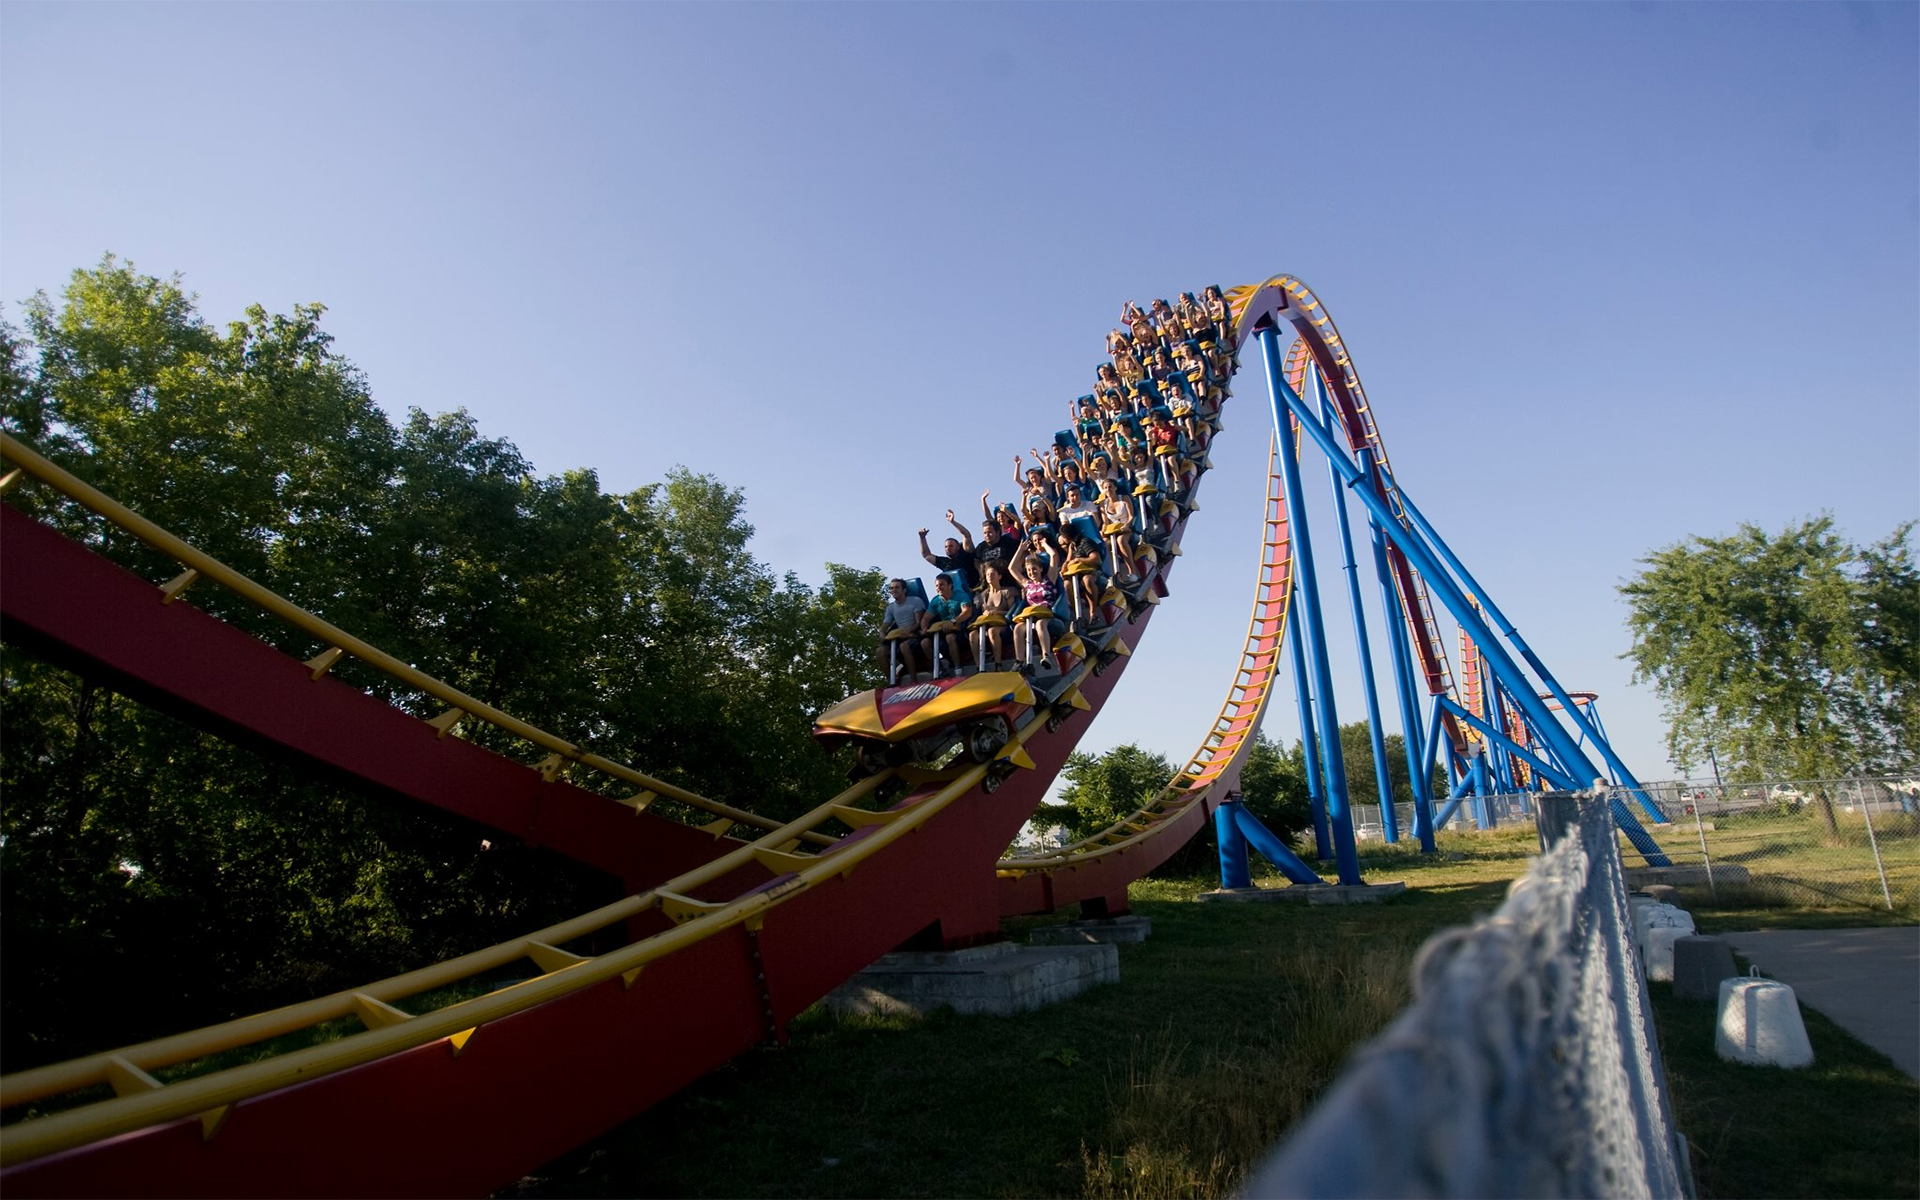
pixel 1226 1026
pixel 1797 875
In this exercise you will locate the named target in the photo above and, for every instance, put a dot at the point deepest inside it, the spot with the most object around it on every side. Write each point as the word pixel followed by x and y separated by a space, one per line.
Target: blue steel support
pixel 1422 559
pixel 1485 788
pixel 1545 751
pixel 1502 773
pixel 1403 691
pixel 1507 630
pixel 1454 797
pixel 1309 743
pixel 1233 849
pixel 1593 714
pixel 1432 742
pixel 1389 823
pixel 1548 771
pixel 1333 765
pixel 1412 745
pixel 1255 834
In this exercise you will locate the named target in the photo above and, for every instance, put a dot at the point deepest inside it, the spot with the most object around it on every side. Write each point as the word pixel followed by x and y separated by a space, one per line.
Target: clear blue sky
pixel 1613 274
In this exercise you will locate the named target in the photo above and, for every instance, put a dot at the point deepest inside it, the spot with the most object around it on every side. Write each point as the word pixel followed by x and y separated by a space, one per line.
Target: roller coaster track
pixel 728 937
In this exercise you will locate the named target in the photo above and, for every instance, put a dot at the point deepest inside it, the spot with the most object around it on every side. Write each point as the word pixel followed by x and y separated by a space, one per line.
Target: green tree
pixel 1788 656
pixel 1273 783
pixel 1356 745
pixel 1104 788
pixel 640 625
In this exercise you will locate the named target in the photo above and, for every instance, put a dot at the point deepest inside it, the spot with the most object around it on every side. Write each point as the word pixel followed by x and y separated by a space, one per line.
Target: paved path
pixel 1866 980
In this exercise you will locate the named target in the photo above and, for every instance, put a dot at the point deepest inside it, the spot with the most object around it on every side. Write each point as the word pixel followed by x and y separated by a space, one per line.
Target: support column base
pixel 999 979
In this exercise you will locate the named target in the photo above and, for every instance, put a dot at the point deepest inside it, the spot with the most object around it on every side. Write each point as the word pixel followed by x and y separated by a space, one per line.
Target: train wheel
pixel 984 739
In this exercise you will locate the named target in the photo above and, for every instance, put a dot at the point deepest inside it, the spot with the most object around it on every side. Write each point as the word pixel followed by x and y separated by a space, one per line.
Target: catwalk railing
pixel 1526 1065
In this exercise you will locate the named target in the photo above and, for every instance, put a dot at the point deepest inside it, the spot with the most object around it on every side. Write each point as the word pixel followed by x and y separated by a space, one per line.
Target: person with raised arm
pixel 1040 587
pixel 1034 480
pixel 959 555
pixel 993 546
pixel 1220 314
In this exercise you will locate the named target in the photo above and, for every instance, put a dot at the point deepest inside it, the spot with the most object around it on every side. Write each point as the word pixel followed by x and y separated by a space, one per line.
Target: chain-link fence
pixel 1526 1064
pixel 1804 843
pixel 1501 810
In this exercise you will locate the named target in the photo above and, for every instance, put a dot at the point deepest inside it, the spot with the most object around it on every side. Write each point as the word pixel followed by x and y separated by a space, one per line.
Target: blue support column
pixel 1432 744
pixel 1420 786
pixel 1309 743
pixel 1403 679
pixel 1333 765
pixel 1490 713
pixel 1461 787
pixel 1233 849
pixel 1550 772
pixel 1482 809
pixel 1422 559
pixel 1389 823
pixel 1259 837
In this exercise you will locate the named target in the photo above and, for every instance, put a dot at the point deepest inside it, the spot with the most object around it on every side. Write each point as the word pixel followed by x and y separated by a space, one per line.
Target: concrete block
pixel 1700 962
pixel 1308 893
pixel 1659 916
pixel 998 979
pixel 1760 1024
pixel 1659 951
pixel 1119 930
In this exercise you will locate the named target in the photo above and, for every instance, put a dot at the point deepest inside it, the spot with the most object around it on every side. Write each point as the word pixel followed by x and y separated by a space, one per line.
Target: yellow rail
pixel 148 1104
pixel 143 1101
pixel 65 482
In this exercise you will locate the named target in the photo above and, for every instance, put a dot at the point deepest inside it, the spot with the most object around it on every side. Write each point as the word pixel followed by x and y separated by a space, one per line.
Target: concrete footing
pixel 1694 876
pixel 1119 930
pixel 1309 893
pixel 998 979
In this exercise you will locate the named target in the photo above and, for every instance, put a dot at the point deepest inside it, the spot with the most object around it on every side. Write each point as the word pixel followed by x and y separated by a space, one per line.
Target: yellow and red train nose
pixel 897 714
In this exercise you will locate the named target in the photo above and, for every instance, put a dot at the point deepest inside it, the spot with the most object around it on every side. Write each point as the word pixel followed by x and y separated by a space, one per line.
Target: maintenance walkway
pixel 1866 980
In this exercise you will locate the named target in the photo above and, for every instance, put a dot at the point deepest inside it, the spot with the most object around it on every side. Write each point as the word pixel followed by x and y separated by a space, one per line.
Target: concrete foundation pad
pixel 999 979
pixel 1120 930
pixel 1309 893
pixel 1639 878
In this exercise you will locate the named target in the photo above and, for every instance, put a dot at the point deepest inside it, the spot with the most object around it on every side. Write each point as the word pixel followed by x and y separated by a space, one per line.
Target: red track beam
pixel 103 622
